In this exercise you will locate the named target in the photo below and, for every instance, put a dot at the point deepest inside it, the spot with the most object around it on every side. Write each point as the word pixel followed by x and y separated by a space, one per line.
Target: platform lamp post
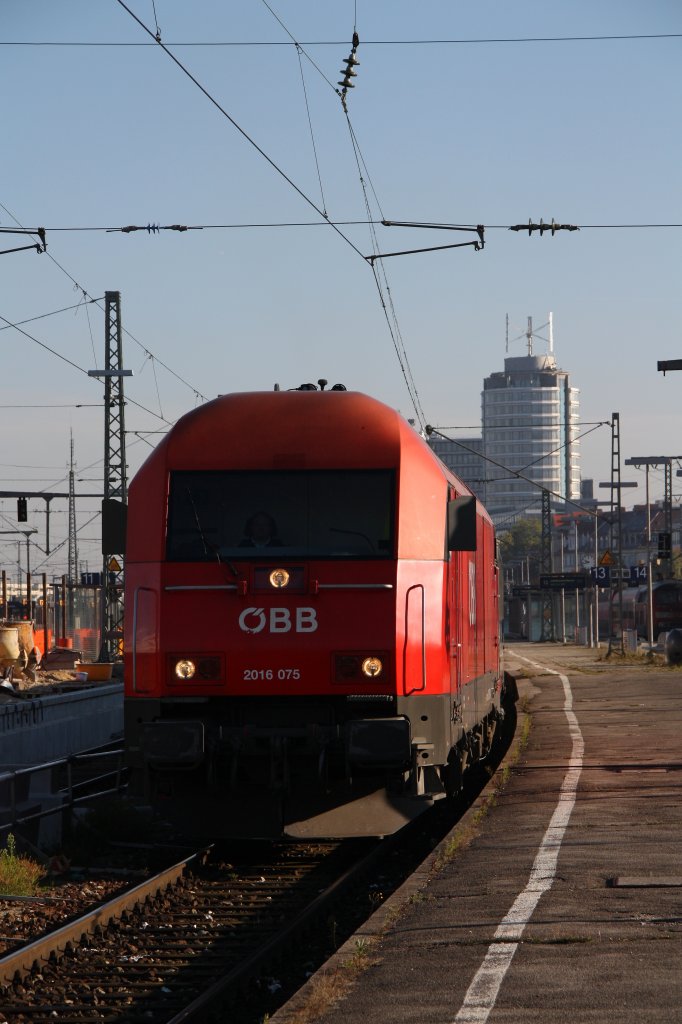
pixel 599 519
pixel 27 534
pixel 647 461
pixel 616 486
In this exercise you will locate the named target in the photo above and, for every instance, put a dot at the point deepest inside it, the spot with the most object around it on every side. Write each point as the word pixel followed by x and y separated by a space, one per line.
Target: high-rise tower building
pixel 529 427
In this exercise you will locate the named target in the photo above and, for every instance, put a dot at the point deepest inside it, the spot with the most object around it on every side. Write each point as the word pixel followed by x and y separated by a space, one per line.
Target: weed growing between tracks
pixel 19 876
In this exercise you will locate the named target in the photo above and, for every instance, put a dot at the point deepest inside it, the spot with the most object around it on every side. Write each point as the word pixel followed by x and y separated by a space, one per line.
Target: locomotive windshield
pixel 292 513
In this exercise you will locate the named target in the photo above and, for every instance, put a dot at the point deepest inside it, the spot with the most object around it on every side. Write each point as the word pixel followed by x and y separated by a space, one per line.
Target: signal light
pixel 22 510
pixel 664 545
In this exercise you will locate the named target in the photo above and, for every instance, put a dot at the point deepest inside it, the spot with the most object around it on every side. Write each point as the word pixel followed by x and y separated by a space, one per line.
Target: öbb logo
pixel 278 620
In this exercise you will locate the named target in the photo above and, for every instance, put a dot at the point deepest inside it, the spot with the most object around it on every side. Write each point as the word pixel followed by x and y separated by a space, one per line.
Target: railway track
pixel 208 940
pixel 167 949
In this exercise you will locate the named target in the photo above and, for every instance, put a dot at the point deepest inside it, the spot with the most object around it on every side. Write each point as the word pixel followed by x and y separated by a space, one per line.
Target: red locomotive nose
pixel 311 618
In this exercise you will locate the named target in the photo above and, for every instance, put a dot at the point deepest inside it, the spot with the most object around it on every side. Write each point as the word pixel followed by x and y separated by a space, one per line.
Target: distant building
pixel 530 426
pixel 464 457
pixel 528 441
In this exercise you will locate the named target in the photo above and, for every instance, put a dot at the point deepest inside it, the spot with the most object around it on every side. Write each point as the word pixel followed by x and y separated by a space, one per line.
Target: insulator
pixel 352 60
pixel 349 74
pixel 346 85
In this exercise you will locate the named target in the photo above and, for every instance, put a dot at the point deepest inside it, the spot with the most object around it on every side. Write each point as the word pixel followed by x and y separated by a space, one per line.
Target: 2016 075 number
pixel 252 675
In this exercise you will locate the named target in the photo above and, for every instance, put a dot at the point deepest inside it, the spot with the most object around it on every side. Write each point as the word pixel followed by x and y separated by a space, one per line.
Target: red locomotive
pixel 312 619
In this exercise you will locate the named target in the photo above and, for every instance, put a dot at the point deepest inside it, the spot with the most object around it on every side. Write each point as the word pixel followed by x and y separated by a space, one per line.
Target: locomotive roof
pixel 291 429
pixel 297 430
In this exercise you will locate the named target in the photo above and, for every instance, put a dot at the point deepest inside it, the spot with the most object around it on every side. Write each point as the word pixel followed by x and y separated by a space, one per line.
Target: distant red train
pixel 666 608
pixel 312 619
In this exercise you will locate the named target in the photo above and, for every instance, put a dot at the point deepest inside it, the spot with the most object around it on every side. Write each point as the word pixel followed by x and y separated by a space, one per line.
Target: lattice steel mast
pixel 115 485
pixel 72 565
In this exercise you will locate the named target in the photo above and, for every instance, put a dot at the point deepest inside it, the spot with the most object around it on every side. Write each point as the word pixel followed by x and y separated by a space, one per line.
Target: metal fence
pixel 71 781
pixel 63 614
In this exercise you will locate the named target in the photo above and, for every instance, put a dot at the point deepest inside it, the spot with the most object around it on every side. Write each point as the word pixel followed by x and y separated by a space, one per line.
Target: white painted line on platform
pixel 484 989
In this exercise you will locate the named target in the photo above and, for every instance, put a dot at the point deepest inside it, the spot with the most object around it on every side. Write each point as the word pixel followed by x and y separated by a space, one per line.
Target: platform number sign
pixel 602 575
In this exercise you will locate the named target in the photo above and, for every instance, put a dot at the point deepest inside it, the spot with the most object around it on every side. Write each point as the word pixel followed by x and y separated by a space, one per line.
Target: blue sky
pixel 585 132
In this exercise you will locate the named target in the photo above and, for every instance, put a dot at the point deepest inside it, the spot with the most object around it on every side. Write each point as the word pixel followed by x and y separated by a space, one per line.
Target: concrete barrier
pixel 40 729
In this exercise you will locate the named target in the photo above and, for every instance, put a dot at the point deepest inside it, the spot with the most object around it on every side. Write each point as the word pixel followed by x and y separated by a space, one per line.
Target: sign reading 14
pixel 602 574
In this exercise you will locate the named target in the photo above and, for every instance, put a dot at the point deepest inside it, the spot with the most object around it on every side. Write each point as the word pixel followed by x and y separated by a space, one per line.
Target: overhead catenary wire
pixel 299 46
pixel 387 306
pixel 593 426
pixel 491 40
pixel 513 472
pixel 330 222
pixel 75 366
pixel 392 321
pixel 43 316
pixel 98 302
pixel 156 21
pixel 55 405
pixel 241 130
pixel 319 224
pixel 312 133
pixel 394 329
pixel 572 440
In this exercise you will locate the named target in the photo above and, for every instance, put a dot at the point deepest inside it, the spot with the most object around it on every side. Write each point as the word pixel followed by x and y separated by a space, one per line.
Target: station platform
pixel 558 897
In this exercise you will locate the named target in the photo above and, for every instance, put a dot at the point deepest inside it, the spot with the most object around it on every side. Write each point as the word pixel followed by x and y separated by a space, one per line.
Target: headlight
pixel 360 667
pixel 185 669
pixel 279 578
pixel 372 667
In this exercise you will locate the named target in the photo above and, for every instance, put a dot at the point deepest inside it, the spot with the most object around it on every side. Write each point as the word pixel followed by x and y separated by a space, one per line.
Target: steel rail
pixel 23 960
pixel 255 963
